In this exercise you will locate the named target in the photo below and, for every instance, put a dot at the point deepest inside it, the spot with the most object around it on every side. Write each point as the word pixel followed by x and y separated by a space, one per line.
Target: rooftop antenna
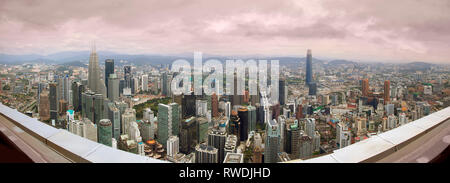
pixel 93 46
pixel 93 49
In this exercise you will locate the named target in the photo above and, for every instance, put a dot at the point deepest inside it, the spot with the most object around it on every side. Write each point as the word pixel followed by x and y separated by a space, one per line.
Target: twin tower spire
pixel 95 82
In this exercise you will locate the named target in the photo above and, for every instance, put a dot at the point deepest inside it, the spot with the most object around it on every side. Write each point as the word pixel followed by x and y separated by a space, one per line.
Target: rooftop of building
pixel 233 158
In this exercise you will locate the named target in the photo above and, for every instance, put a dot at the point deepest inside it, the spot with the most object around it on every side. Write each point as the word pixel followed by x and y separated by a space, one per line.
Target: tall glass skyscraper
pixel 168 122
pixel 164 84
pixel 127 76
pixel 309 71
pixel 272 143
pixel 109 69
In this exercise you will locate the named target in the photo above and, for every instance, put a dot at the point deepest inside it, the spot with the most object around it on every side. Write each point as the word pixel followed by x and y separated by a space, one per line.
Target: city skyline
pixel 357 103
pixel 290 81
pixel 401 31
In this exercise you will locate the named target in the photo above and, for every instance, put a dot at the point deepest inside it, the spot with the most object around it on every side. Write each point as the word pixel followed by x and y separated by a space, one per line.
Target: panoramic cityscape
pixel 271 106
pixel 322 106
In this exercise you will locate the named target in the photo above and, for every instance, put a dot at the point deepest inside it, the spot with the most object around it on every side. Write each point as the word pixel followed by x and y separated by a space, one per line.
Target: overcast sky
pixel 363 30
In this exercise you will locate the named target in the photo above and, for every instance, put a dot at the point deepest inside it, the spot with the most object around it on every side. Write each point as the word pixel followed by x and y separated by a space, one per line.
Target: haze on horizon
pixel 366 30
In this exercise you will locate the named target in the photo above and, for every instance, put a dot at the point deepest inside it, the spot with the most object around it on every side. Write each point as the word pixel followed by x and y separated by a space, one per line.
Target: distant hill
pixel 417 66
pixel 340 62
pixel 77 58
pixel 75 63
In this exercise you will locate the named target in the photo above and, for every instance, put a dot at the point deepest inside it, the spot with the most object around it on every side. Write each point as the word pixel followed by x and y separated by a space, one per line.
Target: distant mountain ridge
pixel 77 57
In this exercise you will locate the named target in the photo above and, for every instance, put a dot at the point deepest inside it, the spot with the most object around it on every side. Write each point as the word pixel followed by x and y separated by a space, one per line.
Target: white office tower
pixel 427 90
pixel 402 119
pixel 134 132
pixel 343 135
pixel 310 126
pixel 114 143
pixel 141 148
pixel 148 114
pixel 144 83
pixel 392 121
pixel 282 126
pixel 227 109
pixel 173 146
pixel 127 117
pixel 202 107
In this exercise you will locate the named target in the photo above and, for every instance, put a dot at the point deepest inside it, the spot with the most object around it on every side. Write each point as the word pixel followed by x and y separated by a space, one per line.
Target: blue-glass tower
pixel 109 69
pixel 308 68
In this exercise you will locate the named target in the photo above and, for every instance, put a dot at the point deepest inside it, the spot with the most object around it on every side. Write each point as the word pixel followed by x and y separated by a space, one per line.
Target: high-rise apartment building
pixel 144 82
pixel 217 139
pixel 173 146
pixel 205 154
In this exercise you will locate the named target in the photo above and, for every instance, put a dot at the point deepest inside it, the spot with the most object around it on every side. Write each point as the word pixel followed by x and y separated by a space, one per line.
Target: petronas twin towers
pixel 95 82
